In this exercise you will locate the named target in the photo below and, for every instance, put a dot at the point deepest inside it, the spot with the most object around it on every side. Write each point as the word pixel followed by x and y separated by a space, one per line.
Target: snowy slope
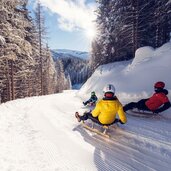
pixel 63 53
pixel 41 134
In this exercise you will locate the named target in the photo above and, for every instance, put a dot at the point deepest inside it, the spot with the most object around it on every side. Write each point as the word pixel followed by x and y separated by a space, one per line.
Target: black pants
pixel 88 101
pixel 139 105
pixel 88 115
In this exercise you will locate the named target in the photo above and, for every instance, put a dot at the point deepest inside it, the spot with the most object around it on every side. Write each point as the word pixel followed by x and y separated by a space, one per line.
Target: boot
pixel 77 116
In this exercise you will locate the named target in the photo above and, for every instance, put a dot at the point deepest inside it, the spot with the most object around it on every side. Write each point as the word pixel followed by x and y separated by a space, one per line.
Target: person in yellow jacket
pixel 106 109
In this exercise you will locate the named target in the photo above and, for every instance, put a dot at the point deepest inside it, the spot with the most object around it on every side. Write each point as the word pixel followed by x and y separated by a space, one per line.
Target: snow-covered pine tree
pixel 120 29
pixel 101 44
pixel 4 33
pixel 2 62
pixel 150 23
pixel 39 19
pixel 34 77
pixel 123 26
pixel 61 80
pixel 162 23
pixel 113 41
pixel 95 54
pixel 19 53
pixel 49 73
pixel 26 60
pixel 16 52
pixel 68 82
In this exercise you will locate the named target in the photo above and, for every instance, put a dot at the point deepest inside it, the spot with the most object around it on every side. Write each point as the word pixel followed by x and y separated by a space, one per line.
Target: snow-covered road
pixel 41 134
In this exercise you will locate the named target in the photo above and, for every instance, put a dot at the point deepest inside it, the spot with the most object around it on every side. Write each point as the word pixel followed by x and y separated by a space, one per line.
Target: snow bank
pixel 135 78
pixel 143 54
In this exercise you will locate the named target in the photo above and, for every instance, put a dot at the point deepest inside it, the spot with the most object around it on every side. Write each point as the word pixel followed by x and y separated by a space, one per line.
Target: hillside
pixel 63 53
pixel 135 78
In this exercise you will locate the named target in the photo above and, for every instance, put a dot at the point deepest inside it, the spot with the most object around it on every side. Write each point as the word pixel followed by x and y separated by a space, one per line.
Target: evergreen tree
pixel 19 53
pixel 16 56
pixel 60 76
pixel 41 32
pixel 162 23
pixel 124 26
pixel 49 73
pixel 102 40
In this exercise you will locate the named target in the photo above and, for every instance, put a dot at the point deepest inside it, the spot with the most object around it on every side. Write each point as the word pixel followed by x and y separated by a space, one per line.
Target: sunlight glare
pixel 90 33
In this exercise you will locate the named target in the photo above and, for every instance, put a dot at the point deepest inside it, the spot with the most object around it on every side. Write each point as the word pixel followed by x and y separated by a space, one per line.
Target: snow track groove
pixel 145 139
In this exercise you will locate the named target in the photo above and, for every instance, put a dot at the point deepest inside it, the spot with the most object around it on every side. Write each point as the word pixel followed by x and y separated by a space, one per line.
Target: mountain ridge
pixel 67 53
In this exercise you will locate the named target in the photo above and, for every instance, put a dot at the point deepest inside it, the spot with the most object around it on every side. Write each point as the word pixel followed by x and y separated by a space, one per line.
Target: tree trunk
pixel 8 81
pixel 12 79
pixel 135 25
pixel 40 47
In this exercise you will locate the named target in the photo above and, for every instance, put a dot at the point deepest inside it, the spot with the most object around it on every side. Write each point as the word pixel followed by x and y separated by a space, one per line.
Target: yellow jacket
pixel 106 111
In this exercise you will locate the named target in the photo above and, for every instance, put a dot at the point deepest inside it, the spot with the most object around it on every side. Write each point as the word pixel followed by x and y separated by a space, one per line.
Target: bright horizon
pixel 70 23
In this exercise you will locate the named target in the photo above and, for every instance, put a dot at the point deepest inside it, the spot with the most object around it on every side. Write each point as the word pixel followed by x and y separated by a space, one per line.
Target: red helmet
pixel 159 84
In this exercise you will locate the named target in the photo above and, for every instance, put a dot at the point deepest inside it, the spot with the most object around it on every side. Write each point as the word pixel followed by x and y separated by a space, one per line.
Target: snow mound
pixel 133 78
pixel 143 54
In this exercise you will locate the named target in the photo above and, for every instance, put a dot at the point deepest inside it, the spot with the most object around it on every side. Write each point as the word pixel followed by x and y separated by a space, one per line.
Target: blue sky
pixel 69 22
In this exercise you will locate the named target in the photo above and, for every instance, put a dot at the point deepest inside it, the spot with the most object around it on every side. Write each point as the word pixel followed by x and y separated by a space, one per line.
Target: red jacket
pixel 157 100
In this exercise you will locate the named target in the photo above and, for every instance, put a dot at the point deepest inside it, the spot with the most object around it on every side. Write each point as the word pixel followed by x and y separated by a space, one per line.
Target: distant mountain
pixel 65 53
pixel 75 64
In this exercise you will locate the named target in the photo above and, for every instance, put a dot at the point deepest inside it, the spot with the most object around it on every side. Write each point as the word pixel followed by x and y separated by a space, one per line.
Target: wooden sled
pixel 103 132
pixel 141 113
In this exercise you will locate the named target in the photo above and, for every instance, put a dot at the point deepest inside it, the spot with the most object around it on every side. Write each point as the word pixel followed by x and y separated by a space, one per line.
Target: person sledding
pixel 106 109
pixel 92 101
pixel 157 103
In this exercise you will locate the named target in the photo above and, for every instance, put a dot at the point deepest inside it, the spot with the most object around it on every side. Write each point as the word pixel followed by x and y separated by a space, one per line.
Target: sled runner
pixel 103 131
pixel 141 113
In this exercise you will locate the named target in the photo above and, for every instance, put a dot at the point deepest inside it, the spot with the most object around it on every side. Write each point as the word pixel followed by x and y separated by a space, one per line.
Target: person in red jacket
pixel 157 103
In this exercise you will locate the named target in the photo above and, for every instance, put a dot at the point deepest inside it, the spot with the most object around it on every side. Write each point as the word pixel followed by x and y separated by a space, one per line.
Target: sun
pixel 90 33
